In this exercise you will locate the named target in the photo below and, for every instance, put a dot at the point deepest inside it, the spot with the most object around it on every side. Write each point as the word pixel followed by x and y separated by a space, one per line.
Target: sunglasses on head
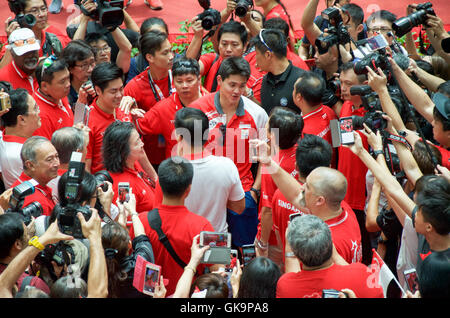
pixel 19 43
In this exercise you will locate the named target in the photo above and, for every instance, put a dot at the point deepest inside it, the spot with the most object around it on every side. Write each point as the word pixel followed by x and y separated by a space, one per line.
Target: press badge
pixel 245 130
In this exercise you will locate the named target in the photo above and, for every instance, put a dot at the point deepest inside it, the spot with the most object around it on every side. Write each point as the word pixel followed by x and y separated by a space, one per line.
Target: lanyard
pixel 157 93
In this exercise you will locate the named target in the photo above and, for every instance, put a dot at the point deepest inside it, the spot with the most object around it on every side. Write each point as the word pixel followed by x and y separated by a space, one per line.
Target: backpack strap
pixel 154 220
pixel 52 45
pixel 214 84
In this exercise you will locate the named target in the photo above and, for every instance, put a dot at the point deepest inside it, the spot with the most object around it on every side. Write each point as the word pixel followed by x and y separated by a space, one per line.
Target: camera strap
pixel 157 93
pixel 399 139
pixel 154 220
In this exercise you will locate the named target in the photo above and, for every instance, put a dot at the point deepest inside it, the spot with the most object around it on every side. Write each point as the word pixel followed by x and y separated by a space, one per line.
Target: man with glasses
pixel 160 118
pixel 278 84
pixel 20 122
pixel 51 96
pixel 24 50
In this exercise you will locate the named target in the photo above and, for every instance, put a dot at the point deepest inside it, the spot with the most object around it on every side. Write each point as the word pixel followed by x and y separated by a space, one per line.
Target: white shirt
pixel 11 165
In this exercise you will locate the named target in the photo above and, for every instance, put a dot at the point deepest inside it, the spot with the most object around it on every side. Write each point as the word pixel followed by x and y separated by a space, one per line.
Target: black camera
pixel 337 32
pixel 406 24
pixel 102 176
pixel 388 222
pixel 24 20
pixel 373 120
pixel 59 253
pixel 34 209
pixel 372 60
pixel 242 7
pixel 67 215
pixel 209 17
pixel 108 13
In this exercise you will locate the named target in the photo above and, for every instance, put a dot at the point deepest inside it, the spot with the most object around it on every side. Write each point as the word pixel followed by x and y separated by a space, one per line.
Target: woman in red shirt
pixel 122 149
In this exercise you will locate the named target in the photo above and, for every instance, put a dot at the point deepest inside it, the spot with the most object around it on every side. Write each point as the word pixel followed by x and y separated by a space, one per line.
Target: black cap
pixel 442 104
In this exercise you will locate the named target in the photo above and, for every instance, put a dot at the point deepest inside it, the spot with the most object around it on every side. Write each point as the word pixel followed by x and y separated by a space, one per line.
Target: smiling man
pixel 54 85
pixel 24 49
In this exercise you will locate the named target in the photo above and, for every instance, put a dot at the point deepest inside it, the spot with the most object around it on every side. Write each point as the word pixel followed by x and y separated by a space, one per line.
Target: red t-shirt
pixel 42 194
pixel 210 69
pixel 279 12
pixel 180 226
pixel 18 78
pixel 346 234
pixel 140 185
pixel 317 123
pixel 140 89
pixel 98 122
pixel 242 127
pixel 351 166
pixel 445 153
pixel 309 284
pixel 53 116
pixel 286 160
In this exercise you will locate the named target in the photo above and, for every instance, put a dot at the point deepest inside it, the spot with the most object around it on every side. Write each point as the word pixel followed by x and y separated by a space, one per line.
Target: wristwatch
pixel 381 240
pixel 376 153
pixel 34 241
pixel 289 254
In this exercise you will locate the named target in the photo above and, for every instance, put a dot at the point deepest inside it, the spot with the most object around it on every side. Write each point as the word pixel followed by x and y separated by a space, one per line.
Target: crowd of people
pixel 323 158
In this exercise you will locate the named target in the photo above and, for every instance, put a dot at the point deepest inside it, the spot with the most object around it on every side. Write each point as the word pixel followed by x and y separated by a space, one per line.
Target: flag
pixel 383 274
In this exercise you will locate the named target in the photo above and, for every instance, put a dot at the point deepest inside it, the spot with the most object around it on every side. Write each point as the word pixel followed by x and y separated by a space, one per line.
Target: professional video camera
pixel 34 209
pixel 337 32
pixel 67 215
pixel 108 13
pixel 406 24
pixel 209 17
pixel 242 7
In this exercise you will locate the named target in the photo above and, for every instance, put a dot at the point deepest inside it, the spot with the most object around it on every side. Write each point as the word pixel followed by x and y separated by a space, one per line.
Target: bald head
pixel 330 183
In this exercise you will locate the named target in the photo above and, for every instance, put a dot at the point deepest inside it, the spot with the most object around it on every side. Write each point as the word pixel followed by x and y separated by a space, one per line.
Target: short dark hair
pixel 77 50
pixel 423 159
pixel 259 279
pixel 18 6
pixel 214 283
pixel 288 125
pixel 116 146
pixel 311 86
pixel 274 39
pixel 382 15
pixel 350 66
pixel 148 23
pixel 93 37
pixel 433 201
pixel 46 74
pixel 184 65
pixel 67 140
pixel 277 23
pixel 234 65
pixel 312 152
pixel 192 123
pixel 151 41
pixel 235 28
pixel 355 12
pixel 440 118
pixel 19 106
pixel 104 73
pixel 444 88
pixel 175 176
pixel 11 229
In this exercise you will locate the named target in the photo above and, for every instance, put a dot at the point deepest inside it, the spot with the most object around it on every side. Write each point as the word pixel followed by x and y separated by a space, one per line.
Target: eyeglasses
pixel 35 11
pixel 86 66
pixel 105 49
pixel 382 30
pixel 19 43
pixel 262 40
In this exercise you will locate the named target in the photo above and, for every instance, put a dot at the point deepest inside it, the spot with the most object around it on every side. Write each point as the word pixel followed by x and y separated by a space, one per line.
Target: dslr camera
pixel 406 24
pixel 337 32
pixel 242 7
pixel 108 13
pixel 67 215
pixel 209 17
pixel 24 20
pixel 34 209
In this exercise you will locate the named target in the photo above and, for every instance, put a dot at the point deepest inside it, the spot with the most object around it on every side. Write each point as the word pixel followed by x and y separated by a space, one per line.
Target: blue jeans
pixel 243 227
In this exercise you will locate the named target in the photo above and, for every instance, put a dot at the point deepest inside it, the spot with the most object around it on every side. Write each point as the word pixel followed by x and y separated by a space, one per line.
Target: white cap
pixel 23 34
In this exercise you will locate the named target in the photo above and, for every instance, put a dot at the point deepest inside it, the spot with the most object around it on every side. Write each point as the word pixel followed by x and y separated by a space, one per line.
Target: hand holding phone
pixel 123 191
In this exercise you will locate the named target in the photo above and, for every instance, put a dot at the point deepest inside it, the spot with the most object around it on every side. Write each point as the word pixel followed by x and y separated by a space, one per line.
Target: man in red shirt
pixel 309 237
pixel 178 223
pixel 233 121
pixel 153 85
pixel 51 96
pixel 285 128
pixel 24 49
pixel 41 162
pixel 160 118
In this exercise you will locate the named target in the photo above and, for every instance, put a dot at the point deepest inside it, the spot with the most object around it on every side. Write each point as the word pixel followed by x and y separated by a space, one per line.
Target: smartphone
pixel 294 215
pixel 81 111
pixel 151 278
pixel 233 258
pixel 124 190
pixel 411 280
pixel 377 42
pixel 346 131
pixel 215 239
pixel 330 293
pixel 248 253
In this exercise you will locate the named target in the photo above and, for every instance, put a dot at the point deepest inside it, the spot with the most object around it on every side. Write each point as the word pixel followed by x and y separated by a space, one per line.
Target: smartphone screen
pixel 346 128
pixel 152 273
pixel 412 280
pixel 377 42
pixel 248 253
pixel 124 190
pixel 215 239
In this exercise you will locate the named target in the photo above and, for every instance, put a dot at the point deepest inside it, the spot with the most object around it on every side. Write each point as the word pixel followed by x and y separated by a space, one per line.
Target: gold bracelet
pixel 192 269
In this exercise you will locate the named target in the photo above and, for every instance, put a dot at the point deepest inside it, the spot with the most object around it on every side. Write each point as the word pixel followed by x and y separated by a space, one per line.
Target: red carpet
pixel 175 11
